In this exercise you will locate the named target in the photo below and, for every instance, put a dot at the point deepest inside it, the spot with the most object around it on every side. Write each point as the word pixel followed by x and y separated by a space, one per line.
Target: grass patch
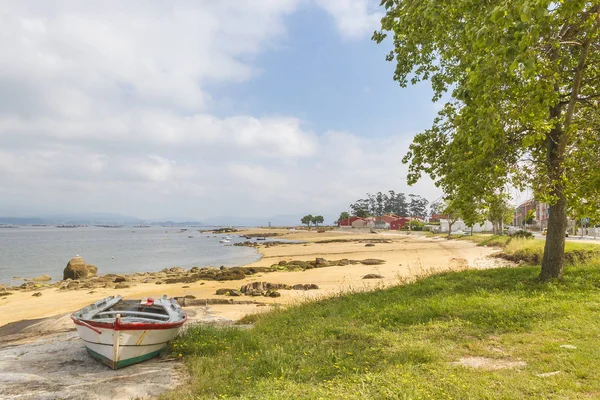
pixel 532 251
pixel 493 241
pixel 401 342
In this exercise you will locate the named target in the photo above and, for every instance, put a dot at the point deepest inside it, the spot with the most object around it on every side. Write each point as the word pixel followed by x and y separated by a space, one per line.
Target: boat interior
pixel 133 311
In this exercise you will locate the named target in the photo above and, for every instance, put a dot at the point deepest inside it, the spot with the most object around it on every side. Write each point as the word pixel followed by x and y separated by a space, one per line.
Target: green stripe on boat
pixel 122 363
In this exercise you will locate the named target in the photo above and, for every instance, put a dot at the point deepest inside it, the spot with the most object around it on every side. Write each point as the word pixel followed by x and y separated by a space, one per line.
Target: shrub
pixel 522 234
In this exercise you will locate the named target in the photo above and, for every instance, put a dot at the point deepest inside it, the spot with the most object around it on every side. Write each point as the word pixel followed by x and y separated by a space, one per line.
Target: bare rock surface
pixel 77 268
pixel 45 359
pixel 373 276
pixel 58 367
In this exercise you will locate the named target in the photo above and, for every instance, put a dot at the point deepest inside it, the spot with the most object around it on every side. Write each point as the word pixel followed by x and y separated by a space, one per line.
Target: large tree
pixel 307 220
pixel 417 206
pixel 524 77
pixel 344 216
pixel 452 210
pixel 317 219
pixel 499 212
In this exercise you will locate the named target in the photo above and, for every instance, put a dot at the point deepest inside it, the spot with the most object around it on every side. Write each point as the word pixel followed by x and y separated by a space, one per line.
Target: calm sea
pixel 32 251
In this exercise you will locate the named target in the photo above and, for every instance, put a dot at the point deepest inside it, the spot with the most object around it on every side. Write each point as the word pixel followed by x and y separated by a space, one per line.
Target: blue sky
pixel 331 82
pixel 198 109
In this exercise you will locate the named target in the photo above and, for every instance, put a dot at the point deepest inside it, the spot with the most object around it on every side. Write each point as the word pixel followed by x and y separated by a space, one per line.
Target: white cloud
pixel 140 52
pixel 105 106
pixel 343 168
pixel 354 19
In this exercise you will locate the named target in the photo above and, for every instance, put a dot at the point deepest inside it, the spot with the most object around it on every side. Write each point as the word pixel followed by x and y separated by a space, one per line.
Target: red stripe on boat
pixel 131 326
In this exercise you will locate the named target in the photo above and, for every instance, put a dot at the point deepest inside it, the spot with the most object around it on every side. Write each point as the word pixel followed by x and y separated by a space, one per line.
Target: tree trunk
pixel 495 227
pixel 554 250
pixel 556 145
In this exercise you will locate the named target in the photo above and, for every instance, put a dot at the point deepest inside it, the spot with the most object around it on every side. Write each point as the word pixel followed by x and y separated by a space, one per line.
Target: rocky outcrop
pixel 321 262
pixel 42 278
pixel 306 286
pixel 228 292
pixel 122 285
pixel 262 287
pixel 372 276
pixel 372 261
pixel 217 274
pixel 173 270
pixel 92 269
pixel 78 269
pixel 247 244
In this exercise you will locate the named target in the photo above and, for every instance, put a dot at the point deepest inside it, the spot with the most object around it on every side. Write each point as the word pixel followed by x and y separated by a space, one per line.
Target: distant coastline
pixel 45 250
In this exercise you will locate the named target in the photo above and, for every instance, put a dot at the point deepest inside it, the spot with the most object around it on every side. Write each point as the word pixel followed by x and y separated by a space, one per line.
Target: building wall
pixel 382 225
pixel 460 226
pixel 540 209
pixel 361 223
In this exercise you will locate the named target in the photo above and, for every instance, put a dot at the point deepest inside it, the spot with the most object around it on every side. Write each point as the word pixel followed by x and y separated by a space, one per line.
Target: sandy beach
pixel 405 256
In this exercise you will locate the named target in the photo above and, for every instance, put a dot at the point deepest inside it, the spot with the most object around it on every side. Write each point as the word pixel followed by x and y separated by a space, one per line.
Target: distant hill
pixel 119 219
pixel 21 221
pixel 176 223
pixel 93 219
pixel 80 219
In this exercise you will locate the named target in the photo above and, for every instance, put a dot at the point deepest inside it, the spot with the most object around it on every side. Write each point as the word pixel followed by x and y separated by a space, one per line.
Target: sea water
pixel 28 251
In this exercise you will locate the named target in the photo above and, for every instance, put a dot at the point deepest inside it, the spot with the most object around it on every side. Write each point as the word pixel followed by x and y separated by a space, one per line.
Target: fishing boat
pixel 121 332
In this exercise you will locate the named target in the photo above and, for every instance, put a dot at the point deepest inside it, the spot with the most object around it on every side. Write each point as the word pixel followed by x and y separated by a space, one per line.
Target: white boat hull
pixel 120 348
pixel 123 332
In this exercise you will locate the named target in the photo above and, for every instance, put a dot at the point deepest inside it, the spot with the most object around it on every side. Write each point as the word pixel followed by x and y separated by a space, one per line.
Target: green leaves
pixel 525 108
pixel 526 13
pixel 498 13
pixel 508 70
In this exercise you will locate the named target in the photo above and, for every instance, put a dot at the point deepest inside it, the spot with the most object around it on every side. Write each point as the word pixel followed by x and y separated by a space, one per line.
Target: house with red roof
pixel 399 223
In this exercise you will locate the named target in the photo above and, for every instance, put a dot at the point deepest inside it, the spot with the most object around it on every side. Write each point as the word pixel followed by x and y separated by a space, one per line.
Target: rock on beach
pixel 77 269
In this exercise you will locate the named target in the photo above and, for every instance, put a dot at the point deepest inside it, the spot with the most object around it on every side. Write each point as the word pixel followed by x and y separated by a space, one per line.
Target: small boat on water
pixel 121 332
pixel 224 241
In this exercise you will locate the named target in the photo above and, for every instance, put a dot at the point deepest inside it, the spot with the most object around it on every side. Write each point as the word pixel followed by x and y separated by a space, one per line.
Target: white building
pixel 460 226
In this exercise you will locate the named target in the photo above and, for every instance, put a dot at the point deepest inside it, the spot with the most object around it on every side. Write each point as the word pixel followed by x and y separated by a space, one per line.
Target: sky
pixel 194 109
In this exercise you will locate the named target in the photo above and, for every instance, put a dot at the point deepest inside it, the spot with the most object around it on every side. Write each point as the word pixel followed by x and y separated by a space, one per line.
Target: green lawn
pixel 400 343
